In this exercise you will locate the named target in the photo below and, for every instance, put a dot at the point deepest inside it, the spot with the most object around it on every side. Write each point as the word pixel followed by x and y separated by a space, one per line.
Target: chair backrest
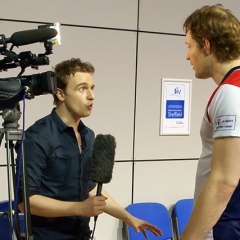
pixel 154 213
pixel 181 213
pixel 5 228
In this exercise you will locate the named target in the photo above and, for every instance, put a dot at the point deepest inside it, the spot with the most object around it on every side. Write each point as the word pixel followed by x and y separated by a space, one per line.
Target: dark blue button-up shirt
pixel 56 169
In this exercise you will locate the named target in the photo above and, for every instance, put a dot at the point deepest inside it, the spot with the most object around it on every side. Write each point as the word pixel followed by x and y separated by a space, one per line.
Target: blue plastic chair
pixel 5 231
pixel 154 213
pixel 181 213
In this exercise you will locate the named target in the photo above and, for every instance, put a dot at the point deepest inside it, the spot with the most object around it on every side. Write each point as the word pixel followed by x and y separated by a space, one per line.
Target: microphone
pixel 31 36
pixel 102 160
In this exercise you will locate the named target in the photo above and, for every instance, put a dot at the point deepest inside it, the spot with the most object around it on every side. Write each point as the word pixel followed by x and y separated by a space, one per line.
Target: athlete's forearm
pixel 209 206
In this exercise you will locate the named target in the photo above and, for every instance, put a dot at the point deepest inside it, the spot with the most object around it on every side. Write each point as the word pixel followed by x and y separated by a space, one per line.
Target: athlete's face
pixel 198 58
pixel 78 95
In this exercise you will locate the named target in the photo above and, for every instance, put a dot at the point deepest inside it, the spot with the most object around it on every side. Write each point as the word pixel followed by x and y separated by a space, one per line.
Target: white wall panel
pixel 164 182
pixel 3 155
pixel 104 13
pixel 162 56
pixel 169 16
pixel 4 184
pixel 113 55
pixel 120 189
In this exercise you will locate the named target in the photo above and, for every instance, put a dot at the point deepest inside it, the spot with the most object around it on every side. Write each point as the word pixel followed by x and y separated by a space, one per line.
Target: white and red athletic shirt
pixel 221 119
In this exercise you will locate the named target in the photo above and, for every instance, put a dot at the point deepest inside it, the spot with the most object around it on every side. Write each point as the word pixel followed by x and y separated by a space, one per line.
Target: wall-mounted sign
pixel 175 106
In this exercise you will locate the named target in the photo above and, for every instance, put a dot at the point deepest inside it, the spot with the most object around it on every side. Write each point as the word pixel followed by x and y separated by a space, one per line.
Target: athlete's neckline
pixel 229 72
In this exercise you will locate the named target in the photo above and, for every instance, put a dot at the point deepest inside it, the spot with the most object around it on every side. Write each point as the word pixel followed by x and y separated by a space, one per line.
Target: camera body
pixel 13 89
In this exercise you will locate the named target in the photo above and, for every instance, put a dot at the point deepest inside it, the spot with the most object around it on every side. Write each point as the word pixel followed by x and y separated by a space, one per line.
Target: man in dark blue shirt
pixel 58 152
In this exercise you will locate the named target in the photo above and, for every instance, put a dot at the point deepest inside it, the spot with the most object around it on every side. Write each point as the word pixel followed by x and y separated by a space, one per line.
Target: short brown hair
pixel 64 69
pixel 220 27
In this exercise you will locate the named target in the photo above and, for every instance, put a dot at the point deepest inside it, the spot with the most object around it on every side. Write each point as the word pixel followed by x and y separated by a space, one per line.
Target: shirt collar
pixel 229 73
pixel 63 126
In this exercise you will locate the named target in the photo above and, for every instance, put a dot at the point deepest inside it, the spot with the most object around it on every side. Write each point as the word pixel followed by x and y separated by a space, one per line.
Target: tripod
pixel 12 133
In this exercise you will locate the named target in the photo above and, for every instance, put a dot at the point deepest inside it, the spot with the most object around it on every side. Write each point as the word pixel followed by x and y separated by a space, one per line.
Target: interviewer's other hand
pixel 140 225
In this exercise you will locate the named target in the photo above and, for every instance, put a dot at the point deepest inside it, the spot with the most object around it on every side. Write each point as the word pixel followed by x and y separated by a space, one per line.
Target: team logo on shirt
pixel 226 122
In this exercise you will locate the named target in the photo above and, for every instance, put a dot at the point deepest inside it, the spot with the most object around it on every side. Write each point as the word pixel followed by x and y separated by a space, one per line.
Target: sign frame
pixel 175 109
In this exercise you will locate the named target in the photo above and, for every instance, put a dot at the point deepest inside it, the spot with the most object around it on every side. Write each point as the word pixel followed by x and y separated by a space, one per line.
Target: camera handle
pixel 12 133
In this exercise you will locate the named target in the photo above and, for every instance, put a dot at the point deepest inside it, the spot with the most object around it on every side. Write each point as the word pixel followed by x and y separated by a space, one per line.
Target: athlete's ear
pixel 207 46
pixel 60 94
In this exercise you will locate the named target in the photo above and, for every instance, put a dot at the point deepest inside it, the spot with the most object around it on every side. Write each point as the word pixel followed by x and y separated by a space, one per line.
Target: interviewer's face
pixel 198 58
pixel 78 95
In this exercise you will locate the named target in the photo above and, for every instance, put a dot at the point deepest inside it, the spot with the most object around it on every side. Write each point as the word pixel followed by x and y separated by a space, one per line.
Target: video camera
pixel 13 89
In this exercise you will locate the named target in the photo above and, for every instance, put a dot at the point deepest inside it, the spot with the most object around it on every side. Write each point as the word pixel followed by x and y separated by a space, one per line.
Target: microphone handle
pixel 99 191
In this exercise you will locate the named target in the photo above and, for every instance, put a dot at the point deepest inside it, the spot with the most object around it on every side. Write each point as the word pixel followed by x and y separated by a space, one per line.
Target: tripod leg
pixel 28 228
pixel 9 173
pixel 15 208
pixel 17 135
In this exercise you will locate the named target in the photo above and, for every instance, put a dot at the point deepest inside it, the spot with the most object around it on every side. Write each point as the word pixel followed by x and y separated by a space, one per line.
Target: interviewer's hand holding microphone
pixel 99 200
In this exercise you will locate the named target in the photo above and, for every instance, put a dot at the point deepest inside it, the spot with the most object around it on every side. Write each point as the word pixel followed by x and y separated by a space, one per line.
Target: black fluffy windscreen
pixel 32 36
pixel 103 158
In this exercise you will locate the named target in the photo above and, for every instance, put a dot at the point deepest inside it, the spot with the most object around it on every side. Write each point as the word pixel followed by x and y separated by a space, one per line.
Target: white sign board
pixel 175 106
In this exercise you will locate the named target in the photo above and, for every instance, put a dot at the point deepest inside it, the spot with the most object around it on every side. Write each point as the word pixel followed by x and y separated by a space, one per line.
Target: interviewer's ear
pixel 60 94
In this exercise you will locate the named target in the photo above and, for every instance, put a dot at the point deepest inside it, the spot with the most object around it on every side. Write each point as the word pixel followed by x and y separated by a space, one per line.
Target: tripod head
pixel 11 117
